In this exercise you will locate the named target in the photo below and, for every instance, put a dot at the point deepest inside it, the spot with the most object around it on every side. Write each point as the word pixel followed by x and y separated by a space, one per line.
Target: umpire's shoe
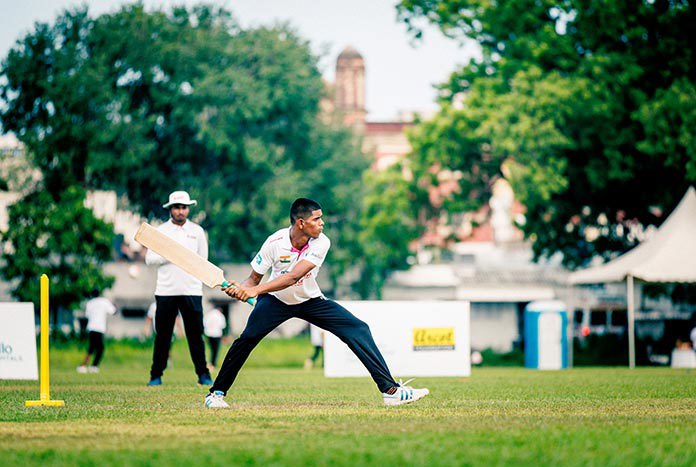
pixel 205 379
pixel 155 382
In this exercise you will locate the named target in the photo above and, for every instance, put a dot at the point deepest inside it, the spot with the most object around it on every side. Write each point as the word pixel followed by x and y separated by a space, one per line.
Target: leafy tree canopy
pixel 586 107
pixel 145 103
pixel 59 237
pixel 386 228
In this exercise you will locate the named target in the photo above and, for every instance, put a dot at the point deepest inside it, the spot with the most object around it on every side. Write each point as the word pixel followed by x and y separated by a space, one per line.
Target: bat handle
pixel 251 301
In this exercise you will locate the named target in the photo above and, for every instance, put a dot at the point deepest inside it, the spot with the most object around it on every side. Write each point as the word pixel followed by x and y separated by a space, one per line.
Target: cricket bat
pixel 188 260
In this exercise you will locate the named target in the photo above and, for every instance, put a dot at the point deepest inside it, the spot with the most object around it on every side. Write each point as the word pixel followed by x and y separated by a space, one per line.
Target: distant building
pixel 349 91
pixel 386 140
pixel 498 282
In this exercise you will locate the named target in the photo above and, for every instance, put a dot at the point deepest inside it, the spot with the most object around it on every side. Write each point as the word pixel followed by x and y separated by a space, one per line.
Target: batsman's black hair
pixel 301 209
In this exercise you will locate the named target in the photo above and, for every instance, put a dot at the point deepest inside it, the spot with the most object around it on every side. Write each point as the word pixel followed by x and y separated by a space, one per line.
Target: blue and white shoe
pixel 404 394
pixel 216 400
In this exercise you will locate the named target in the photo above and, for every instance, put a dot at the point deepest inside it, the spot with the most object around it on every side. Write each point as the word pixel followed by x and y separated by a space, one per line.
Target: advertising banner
pixel 416 338
pixel 18 341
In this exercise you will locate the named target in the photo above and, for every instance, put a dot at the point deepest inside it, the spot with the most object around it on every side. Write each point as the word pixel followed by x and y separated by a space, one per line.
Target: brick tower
pixel 350 88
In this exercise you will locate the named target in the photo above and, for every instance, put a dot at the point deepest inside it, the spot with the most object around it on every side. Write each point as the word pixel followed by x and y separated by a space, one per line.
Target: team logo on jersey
pixel 258 259
pixel 285 259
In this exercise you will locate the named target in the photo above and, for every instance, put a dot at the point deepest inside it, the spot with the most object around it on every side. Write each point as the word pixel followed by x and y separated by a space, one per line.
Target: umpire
pixel 179 292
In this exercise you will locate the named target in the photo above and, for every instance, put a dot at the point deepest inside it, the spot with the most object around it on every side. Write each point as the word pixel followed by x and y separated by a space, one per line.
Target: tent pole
pixel 631 322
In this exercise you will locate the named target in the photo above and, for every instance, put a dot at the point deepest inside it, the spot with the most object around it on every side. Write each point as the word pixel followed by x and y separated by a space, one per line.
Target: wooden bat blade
pixel 177 254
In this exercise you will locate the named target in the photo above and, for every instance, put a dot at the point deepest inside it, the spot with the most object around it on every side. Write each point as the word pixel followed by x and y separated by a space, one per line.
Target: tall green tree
pixel 586 106
pixel 58 237
pixel 386 228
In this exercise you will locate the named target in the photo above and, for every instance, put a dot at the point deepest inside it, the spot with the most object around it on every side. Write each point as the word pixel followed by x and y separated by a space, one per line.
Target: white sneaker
pixel 404 394
pixel 82 369
pixel 216 400
pixel 92 369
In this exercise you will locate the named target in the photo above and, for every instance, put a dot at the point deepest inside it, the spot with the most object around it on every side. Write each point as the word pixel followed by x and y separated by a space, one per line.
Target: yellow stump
pixel 45 396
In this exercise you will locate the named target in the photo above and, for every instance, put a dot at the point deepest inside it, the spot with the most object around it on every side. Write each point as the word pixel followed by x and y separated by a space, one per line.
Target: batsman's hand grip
pixel 251 301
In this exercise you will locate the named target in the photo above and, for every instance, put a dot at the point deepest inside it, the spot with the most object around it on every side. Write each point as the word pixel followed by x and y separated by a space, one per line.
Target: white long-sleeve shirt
pixel 171 279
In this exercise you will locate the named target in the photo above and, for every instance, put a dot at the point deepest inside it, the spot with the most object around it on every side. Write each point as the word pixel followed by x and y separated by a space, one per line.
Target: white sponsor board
pixel 17 341
pixel 416 338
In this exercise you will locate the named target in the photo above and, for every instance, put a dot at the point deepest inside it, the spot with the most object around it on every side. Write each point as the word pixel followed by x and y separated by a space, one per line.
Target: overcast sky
pixel 400 75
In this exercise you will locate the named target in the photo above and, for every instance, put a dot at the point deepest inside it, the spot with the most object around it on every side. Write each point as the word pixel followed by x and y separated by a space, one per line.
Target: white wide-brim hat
pixel 179 197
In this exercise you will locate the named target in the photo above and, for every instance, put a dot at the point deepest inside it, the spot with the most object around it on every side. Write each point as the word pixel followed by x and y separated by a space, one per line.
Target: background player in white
pixel 213 326
pixel 96 310
pixel 294 256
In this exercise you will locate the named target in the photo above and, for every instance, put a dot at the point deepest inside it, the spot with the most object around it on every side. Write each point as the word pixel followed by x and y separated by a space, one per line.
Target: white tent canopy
pixel 669 256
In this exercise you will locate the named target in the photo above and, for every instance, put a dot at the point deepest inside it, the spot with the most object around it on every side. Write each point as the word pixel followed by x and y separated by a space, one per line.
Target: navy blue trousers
pixel 270 312
pixel 168 307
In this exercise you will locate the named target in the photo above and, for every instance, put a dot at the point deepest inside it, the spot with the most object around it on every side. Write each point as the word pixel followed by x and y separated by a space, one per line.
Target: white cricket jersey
pixel 96 311
pixel 171 279
pixel 214 323
pixel 278 255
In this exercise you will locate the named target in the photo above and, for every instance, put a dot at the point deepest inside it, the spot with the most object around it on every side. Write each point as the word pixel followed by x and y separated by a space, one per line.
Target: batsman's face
pixel 179 213
pixel 313 225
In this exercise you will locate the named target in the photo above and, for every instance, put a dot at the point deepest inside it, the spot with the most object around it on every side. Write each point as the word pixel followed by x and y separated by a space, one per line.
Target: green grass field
pixel 283 415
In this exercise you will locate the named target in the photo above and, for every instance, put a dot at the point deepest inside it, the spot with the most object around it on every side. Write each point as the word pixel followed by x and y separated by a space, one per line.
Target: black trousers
pixel 168 307
pixel 270 312
pixel 214 343
pixel 96 346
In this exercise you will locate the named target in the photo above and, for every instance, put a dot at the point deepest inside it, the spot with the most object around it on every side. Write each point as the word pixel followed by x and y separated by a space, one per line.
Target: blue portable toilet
pixel 545 335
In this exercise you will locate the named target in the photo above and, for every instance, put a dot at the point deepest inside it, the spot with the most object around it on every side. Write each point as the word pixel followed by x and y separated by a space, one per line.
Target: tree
pixel 53 101
pixel 144 103
pixel 586 107
pixel 386 228
pixel 59 237
pixel 229 116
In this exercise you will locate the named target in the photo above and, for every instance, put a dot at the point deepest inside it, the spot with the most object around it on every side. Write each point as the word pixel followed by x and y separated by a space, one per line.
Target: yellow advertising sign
pixel 433 339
